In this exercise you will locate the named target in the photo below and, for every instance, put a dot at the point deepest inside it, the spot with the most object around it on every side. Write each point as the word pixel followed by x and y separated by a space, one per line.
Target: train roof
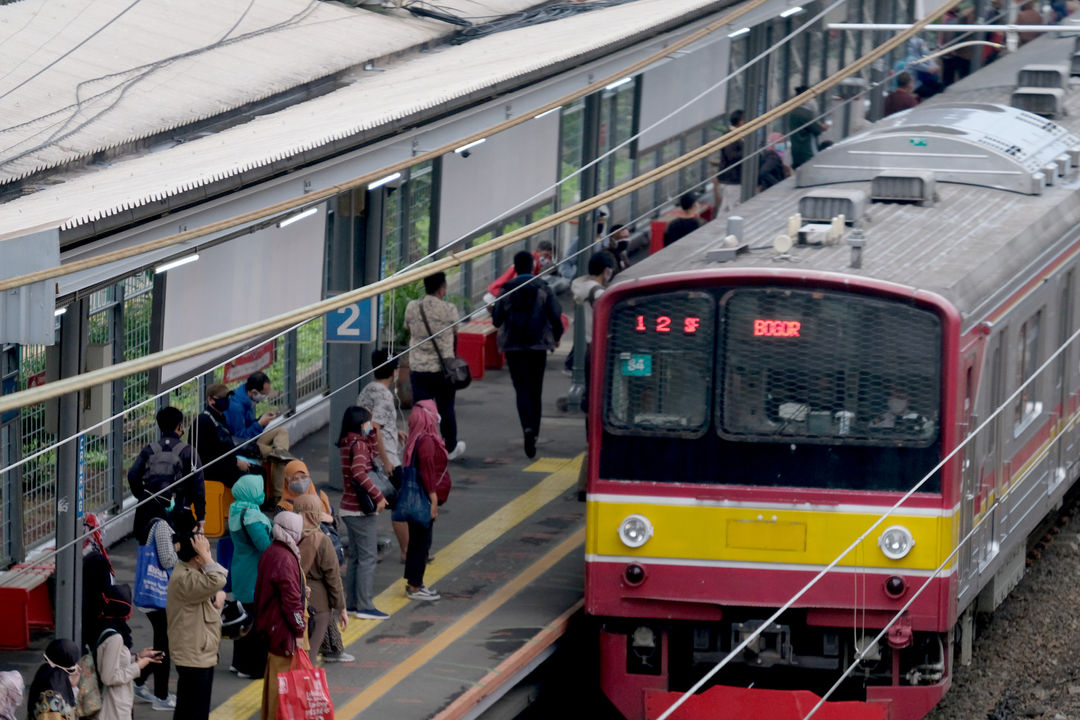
pixel 975 244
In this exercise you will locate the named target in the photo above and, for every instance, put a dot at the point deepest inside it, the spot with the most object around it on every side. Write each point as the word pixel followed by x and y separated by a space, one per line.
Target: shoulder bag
pixel 455 370
pixel 151 580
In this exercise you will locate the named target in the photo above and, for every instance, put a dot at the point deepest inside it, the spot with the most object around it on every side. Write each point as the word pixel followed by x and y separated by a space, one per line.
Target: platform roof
pixel 409 86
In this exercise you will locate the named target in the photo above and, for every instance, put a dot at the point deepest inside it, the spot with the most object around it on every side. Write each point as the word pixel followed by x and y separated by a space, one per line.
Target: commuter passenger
pixel 361 502
pixel 618 244
pixel 804 129
pixel 686 219
pixel 52 691
pixel 530 325
pixel 157 469
pixel 1028 15
pixel 298 482
pixel 425 451
pixel 903 97
pixel 280 596
pixel 213 440
pixel 424 318
pixel 319 561
pixel 244 425
pixel 379 399
pixel 116 666
pixel 194 607
pixel 250 531
pixel 772 168
pixel 543 258
pixel 586 290
pixel 727 190
pixel 98 577
pixel 160 535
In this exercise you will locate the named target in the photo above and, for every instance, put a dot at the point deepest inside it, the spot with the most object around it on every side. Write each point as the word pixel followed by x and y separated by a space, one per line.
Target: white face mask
pixel 258 397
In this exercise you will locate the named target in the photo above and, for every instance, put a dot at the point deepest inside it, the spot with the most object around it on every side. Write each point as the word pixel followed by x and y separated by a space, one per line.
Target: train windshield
pixel 772 386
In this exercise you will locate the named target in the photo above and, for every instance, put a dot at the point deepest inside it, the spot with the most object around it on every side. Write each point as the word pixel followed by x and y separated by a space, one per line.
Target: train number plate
pixel 636 365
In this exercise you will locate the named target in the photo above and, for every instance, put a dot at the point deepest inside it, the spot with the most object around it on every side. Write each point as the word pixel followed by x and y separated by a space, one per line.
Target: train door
pixel 1065 448
pixel 992 474
pixel 969 459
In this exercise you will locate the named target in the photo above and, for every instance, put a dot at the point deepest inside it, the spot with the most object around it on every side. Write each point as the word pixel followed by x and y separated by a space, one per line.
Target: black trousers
pixel 417 554
pixel 527 374
pixel 249 651
pixel 433 386
pixel 160 670
pixel 193 688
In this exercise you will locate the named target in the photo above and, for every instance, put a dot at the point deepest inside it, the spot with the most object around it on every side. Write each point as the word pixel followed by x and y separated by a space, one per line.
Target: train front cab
pixel 748 432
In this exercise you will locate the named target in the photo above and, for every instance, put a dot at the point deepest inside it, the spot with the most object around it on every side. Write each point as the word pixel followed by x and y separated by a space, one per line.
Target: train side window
pixel 1028 405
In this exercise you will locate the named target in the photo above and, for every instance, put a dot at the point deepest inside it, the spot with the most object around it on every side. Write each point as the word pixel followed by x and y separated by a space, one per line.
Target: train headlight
pixel 896 542
pixel 635 531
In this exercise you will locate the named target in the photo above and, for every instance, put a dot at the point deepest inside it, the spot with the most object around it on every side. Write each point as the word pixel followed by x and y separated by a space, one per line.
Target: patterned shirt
pixel 377 398
pixel 440 314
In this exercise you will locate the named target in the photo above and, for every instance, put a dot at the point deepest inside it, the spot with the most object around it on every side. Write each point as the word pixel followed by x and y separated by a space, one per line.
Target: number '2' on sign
pixel 352 323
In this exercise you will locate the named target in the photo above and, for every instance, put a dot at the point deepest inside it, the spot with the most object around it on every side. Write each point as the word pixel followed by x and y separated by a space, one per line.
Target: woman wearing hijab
pixel 358 448
pixel 298 482
pixel 116 666
pixel 425 450
pixel 194 612
pixel 52 695
pixel 98 576
pixel 249 529
pixel 280 595
pixel 318 560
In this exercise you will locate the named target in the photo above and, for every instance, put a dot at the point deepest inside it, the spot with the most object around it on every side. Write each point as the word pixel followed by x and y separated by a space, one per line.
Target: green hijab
pixel 248 494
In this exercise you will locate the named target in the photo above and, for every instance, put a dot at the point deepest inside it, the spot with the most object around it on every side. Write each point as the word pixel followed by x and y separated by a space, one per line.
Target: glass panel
pixel 817 366
pixel 1027 360
pixel 660 364
pixel 419 210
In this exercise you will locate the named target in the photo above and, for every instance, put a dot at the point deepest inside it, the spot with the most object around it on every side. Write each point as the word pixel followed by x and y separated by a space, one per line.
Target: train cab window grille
pixel 660 365
pixel 1027 405
pixel 828 368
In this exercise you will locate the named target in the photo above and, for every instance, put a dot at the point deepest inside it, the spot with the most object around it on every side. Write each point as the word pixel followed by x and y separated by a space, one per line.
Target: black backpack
pixel 163 469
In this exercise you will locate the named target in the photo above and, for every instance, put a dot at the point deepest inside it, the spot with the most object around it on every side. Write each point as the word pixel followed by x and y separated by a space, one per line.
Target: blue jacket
pixel 250 531
pixel 240 417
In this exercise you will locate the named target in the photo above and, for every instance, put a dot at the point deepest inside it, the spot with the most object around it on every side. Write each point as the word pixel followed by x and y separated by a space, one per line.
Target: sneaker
pixel 423 594
pixel 241 675
pixel 144 694
pixel 458 450
pixel 340 657
pixel 530 444
pixel 166 705
pixel 370 614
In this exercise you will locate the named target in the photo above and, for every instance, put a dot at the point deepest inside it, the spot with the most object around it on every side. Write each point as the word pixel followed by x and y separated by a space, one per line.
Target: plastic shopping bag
pixel 302 692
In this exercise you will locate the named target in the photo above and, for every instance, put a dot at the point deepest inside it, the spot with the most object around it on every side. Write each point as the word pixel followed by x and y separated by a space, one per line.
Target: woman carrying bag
pixel 160 538
pixel 280 599
pixel 361 502
pixel 52 691
pixel 319 561
pixel 426 454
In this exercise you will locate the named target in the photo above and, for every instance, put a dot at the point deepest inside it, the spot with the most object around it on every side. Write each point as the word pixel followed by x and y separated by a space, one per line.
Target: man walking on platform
pixel 530 325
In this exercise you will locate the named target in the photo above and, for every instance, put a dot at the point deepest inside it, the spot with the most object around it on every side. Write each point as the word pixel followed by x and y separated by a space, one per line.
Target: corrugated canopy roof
pixel 81 76
pixel 373 100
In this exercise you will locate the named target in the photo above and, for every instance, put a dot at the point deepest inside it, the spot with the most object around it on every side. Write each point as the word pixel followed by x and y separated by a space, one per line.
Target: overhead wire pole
pixel 154 360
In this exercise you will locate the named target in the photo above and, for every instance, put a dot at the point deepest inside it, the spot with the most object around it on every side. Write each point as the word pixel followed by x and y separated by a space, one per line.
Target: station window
pixel 1027 405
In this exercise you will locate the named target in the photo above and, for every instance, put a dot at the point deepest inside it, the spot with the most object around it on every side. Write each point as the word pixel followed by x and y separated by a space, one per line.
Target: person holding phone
pixel 244 424
pixel 116 665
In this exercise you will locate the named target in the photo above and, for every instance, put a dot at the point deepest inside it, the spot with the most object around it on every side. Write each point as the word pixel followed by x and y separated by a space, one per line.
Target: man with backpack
pixel 530 325
pixel 161 464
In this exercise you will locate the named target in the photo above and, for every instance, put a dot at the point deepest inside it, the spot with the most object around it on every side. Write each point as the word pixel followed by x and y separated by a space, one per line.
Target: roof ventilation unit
pixel 1074 64
pixel 1043 76
pixel 1048 102
pixel 912 186
pixel 821 206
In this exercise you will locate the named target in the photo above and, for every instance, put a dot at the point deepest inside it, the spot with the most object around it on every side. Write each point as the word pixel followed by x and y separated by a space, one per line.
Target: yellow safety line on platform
pixel 547 465
pixel 447 637
pixel 247 701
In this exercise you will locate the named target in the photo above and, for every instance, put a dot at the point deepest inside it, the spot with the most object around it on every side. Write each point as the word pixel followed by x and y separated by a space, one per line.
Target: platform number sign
pixel 80 480
pixel 353 323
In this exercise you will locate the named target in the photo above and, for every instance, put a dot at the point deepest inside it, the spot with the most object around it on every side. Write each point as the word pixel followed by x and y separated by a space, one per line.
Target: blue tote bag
pixel 151 580
pixel 413 503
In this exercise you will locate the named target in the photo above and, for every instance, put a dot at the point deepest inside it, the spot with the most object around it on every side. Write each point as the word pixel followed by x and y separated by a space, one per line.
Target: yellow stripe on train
pixel 766 535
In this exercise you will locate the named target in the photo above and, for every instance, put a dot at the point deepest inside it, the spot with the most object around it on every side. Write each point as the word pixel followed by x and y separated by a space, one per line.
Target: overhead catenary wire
pixel 154 360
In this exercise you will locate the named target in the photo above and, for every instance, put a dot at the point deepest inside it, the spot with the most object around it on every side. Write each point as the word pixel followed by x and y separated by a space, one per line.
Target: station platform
pixel 508 562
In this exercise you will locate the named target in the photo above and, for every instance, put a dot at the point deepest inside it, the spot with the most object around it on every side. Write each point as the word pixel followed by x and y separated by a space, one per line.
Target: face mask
pixel 221 404
pixel 258 397
pixel 897 405
pixel 545 261
pixel 781 148
pixel 299 486
pixel 366 430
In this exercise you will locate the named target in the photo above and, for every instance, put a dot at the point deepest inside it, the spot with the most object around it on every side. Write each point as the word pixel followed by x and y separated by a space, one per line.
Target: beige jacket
pixel 440 314
pixel 117 667
pixel 194 622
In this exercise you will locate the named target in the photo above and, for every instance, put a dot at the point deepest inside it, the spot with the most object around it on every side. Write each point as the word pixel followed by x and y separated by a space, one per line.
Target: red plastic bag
pixel 302 692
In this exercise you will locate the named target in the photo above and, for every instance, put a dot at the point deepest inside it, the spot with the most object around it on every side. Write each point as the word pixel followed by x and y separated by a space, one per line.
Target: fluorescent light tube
pixel 618 83
pixel 473 144
pixel 791 11
pixel 298 216
pixel 175 263
pixel 546 113
pixel 740 31
pixel 382 181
